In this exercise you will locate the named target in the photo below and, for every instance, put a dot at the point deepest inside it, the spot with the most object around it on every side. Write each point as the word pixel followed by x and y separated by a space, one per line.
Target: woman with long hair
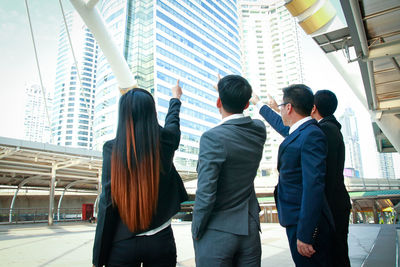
pixel 141 189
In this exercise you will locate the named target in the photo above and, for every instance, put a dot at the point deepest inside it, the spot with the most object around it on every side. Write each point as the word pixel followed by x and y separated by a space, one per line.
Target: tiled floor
pixel 71 244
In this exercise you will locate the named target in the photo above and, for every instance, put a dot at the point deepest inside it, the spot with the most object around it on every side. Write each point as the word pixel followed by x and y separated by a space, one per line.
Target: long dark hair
pixel 135 161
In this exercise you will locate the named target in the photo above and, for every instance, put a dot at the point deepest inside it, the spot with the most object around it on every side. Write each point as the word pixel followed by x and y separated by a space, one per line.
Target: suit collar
pixel 298 124
pixel 332 119
pixel 242 120
pixel 291 137
pixel 231 117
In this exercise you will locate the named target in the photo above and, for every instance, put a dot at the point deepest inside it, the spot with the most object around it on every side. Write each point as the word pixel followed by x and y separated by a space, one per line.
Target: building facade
pixel 386 165
pixel 36 123
pixel 271 60
pixel 352 142
pixel 166 40
pixel 74 92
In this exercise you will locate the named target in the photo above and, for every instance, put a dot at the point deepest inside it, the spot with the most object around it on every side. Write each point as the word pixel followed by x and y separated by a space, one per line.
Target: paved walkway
pixel 71 244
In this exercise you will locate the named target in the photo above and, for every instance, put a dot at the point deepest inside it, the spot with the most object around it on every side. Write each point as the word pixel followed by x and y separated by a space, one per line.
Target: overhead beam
pixel 8 152
pixel 390 49
pixel 68 163
pixel 390 126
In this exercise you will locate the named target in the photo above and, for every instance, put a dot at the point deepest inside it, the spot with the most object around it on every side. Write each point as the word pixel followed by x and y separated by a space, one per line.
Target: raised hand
pixel 272 103
pixel 176 90
pixel 254 99
pixel 216 85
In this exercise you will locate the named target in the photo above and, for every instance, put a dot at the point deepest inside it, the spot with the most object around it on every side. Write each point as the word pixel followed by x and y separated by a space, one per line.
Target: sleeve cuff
pixel 174 99
pixel 259 105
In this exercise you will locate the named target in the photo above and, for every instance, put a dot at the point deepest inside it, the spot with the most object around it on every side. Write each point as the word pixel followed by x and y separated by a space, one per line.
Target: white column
pixel 95 23
pixel 51 198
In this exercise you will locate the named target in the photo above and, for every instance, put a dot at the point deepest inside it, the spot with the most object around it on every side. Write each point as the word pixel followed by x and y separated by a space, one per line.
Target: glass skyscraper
pixel 72 121
pixel 352 143
pixel 386 165
pixel 271 60
pixel 166 40
pixel 36 124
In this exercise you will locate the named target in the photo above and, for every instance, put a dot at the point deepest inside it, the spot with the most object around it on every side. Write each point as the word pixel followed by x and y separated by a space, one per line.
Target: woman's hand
pixel 176 90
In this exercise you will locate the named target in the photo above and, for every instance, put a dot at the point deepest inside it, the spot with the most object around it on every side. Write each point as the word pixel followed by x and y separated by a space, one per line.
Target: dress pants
pixel 322 246
pixel 340 248
pixel 156 250
pixel 223 249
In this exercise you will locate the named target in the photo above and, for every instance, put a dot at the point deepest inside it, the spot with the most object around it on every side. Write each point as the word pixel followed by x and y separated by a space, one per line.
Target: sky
pixel 17 60
pixel 18 68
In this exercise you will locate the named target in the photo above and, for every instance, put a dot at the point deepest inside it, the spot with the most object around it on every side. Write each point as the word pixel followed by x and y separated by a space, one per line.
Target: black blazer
pixel 171 190
pixel 336 193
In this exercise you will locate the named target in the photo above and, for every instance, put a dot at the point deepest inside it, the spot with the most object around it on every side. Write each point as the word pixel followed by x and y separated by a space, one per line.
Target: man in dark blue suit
pixel 299 195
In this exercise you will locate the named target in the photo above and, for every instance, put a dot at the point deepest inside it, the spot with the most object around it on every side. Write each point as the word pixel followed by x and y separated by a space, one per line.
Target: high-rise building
pixel 352 142
pixel 386 166
pixel 36 123
pixel 271 60
pixel 74 92
pixel 166 40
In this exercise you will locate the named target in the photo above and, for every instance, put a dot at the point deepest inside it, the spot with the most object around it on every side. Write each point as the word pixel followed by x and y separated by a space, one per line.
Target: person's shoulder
pixel 314 129
pixel 108 145
pixel 214 134
pixel 213 131
pixel 259 123
pixel 328 127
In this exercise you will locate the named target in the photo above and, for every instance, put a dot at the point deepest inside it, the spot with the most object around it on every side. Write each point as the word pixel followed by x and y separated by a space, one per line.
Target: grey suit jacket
pixel 229 157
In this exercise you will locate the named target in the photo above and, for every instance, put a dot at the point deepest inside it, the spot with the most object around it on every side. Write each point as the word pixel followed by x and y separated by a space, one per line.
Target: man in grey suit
pixel 226 223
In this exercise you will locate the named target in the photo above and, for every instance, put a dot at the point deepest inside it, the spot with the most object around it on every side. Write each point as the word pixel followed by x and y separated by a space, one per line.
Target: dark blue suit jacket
pixel 299 195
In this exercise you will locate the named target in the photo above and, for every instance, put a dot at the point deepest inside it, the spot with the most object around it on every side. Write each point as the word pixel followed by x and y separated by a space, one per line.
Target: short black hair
pixel 326 102
pixel 301 97
pixel 234 92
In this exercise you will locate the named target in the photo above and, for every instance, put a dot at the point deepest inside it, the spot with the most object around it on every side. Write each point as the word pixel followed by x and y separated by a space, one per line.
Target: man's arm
pixel 332 160
pixel 313 165
pixel 274 119
pixel 211 158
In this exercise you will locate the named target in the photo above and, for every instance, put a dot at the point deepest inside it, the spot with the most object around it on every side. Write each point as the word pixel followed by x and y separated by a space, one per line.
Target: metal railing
pixel 371 184
pixel 352 184
pixel 36 215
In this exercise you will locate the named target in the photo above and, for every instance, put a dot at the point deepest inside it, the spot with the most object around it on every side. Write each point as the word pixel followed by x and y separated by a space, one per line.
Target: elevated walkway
pixel 70 244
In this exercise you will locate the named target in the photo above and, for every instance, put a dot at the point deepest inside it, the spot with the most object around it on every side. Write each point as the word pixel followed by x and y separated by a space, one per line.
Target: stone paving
pixel 70 244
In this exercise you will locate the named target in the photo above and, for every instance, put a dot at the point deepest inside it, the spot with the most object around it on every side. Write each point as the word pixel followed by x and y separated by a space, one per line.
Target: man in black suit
pixel 325 104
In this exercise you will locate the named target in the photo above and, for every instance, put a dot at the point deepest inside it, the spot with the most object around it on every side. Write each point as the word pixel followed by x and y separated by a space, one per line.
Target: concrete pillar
pixel 355 217
pixel 364 217
pixel 374 210
pixel 271 218
pixel 51 197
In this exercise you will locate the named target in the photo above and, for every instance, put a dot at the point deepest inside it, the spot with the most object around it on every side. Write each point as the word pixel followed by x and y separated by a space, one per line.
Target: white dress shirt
pixel 231 117
pixel 298 123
